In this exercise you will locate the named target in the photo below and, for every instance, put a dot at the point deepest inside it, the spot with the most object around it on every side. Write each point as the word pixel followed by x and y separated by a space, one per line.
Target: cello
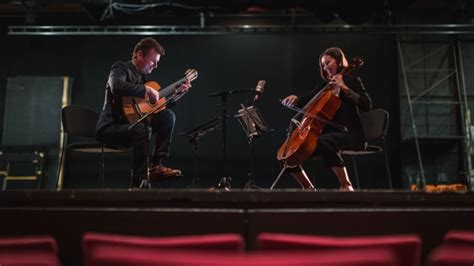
pixel 317 113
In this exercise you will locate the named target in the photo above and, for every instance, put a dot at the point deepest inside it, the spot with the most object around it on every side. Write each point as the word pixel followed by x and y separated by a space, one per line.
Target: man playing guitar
pixel 127 79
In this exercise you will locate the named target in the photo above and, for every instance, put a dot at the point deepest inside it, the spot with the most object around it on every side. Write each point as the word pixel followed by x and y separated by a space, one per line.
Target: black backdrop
pixel 287 61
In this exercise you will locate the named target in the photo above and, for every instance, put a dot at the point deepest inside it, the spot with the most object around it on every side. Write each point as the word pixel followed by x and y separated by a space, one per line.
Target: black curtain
pixel 287 61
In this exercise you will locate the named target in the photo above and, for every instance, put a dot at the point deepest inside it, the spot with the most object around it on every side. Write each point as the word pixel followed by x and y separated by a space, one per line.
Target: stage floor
pixel 235 198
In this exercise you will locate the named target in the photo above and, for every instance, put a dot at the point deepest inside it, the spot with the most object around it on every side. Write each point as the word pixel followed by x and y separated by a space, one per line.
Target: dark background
pixel 287 61
pixel 281 45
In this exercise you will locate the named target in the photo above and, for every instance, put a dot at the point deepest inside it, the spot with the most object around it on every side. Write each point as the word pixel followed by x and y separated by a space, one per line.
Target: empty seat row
pixel 31 250
pixel 229 249
pixel 457 249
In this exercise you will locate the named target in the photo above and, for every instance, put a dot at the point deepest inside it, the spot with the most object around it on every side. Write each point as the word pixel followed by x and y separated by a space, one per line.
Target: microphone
pixel 259 90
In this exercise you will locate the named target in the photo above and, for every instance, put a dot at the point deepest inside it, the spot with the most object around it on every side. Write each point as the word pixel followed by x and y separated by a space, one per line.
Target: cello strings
pixel 328 122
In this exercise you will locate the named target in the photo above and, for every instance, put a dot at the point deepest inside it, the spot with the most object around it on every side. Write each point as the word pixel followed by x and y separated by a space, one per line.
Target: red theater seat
pixel 31 250
pixel 94 243
pixel 133 256
pixel 452 255
pixel 459 237
pixel 407 248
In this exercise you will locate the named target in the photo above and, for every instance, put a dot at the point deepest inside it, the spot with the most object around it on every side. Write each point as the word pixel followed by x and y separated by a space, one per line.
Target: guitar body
pixel 134 108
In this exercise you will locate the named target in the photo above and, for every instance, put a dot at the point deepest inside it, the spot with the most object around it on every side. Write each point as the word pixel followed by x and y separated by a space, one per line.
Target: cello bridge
pixel 296 122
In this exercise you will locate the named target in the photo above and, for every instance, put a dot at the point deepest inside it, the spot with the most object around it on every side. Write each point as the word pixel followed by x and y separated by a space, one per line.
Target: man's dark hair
pixel 144 45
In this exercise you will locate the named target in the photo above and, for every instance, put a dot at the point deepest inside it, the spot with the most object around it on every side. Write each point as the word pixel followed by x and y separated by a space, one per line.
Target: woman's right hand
pixel 290 100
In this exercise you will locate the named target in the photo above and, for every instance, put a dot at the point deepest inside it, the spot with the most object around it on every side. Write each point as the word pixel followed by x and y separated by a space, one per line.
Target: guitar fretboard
pixel 171 89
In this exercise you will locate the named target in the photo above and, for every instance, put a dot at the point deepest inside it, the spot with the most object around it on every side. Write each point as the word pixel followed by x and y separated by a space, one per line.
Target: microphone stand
pixel 224 181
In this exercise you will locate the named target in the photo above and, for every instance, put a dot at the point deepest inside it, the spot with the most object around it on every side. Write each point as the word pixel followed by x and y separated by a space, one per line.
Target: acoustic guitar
pixel 134 108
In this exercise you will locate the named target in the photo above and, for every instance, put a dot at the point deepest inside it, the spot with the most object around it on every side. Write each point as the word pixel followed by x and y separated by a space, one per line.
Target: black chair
pixel 375 125
pixel 81 122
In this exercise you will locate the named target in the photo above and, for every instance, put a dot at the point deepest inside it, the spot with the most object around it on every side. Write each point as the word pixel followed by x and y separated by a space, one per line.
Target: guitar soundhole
pixel 150 103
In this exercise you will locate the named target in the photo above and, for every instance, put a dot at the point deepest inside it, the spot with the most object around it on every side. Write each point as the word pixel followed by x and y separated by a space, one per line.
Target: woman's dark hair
pixel 337 54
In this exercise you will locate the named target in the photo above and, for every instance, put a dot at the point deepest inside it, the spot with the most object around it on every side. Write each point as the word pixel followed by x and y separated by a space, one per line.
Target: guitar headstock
pixel 191 74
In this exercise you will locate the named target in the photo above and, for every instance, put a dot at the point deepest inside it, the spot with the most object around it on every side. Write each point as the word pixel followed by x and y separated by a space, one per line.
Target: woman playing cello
pixel 353 99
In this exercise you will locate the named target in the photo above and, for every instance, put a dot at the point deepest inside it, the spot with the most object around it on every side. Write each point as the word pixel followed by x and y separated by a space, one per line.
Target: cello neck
pixel 316 97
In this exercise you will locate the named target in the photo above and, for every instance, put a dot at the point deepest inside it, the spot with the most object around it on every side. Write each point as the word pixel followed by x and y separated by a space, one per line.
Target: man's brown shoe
pixel 160 172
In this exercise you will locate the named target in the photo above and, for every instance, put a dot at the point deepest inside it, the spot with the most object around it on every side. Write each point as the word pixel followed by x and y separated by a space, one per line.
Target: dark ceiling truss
pixel 444 29
pixel 147 12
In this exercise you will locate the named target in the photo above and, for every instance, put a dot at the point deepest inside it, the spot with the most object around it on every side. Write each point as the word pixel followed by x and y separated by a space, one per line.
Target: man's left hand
pixel 185 86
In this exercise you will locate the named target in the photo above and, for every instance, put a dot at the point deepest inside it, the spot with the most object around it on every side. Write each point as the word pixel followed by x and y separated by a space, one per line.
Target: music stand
pixel 225 180
pixel 254 126
pixel 194 135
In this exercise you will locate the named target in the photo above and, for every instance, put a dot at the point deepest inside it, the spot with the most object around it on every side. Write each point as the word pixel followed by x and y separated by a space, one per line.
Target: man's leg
pixel 163 126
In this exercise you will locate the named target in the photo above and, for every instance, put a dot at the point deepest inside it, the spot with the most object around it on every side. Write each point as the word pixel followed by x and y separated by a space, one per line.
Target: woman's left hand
pixel 337 80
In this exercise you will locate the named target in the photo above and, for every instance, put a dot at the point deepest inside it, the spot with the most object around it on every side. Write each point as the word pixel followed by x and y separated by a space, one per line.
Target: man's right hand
pixel 152 95
pixel 290 100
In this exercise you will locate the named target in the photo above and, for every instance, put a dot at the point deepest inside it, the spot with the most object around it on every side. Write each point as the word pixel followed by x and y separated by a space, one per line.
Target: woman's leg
pixel 300 175
pixel 341 173
pixel 330 146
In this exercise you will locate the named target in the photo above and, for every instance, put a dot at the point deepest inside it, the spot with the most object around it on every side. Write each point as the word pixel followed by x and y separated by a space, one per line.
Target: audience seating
pixel 29 250
pixel 452 255
pixel 459 237
pixel 457 249
pixel 134 256
pixel 95 243
pixel 274 249
pixel 407 248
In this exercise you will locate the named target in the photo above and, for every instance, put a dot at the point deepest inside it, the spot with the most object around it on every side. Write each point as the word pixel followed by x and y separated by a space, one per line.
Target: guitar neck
pixel 172 89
